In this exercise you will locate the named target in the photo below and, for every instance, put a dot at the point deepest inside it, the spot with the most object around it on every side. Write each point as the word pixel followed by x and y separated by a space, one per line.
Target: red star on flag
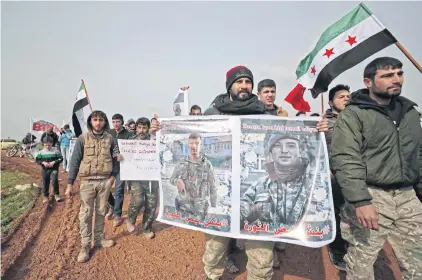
pixel 313 70
pixel 329 52
pixel 351 40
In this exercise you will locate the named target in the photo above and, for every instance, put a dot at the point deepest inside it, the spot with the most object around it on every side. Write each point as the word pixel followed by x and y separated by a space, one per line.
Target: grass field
pixel 14 202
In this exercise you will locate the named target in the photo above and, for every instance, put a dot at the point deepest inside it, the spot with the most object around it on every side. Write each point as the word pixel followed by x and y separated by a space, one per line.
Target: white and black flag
pixel 81 111
pixel 181 102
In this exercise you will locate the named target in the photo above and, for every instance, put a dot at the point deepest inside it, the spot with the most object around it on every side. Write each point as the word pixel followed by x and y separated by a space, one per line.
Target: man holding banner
pixel 142 192
pixel 239 100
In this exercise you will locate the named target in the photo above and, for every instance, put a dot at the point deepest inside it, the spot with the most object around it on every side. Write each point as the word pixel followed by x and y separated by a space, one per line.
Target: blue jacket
pixel 65 138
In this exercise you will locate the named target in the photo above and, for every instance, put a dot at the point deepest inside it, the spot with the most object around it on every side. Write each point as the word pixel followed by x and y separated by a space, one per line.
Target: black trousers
pixel 47 176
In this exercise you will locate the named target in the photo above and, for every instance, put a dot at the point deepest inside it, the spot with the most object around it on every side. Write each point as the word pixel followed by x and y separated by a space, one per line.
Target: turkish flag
pixel 295 97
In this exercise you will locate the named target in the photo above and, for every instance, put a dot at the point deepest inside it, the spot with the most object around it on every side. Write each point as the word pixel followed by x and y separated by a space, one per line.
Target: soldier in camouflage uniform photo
pixel 281 197
pixel 194 179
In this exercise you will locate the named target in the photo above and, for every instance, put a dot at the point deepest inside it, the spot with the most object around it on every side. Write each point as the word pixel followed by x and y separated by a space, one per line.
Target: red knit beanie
pixel 236 73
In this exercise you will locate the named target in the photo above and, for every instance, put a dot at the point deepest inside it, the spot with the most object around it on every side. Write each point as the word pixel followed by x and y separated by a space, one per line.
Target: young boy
pixel 49 158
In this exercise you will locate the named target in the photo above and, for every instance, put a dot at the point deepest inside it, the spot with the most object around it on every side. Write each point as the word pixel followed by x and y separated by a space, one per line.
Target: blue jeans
pixel 119 195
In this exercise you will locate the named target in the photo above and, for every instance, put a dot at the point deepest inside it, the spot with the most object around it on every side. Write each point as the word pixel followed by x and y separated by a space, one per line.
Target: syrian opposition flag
pixel 81 111
pixel 181 102
pixel 346 43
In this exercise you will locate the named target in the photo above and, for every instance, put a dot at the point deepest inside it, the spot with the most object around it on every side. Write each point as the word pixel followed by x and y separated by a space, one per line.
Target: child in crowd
pixel 49 158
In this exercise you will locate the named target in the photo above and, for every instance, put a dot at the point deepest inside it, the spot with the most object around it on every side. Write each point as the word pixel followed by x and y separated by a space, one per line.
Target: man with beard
pixel 239 100
pixel 142 192
pixel 118 132
pixel 267 94
pixel 281 198
pixel 376 157
pixel 94 157
pixel 194 178
pixel 338 97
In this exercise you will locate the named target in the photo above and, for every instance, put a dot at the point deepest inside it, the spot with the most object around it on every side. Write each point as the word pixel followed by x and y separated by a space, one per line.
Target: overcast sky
pixel 134 56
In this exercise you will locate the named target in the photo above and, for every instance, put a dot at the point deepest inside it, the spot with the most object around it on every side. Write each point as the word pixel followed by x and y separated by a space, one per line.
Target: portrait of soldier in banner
pixel 280 198
pixel 194 178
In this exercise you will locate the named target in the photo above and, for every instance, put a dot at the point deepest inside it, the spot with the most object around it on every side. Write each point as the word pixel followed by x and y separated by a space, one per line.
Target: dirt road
pixel 46 244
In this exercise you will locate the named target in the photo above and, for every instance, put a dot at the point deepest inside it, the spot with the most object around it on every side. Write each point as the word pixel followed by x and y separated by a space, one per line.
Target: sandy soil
pixel 45 243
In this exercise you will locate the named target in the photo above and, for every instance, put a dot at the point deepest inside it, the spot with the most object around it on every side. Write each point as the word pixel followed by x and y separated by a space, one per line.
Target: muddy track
pixel 46 243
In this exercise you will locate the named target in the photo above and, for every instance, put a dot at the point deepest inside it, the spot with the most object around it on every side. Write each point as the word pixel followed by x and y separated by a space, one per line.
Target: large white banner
pixel 140 160
pixel 256 177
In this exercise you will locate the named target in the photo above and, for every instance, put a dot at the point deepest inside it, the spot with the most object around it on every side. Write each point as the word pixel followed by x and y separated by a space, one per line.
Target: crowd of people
pixel 374 139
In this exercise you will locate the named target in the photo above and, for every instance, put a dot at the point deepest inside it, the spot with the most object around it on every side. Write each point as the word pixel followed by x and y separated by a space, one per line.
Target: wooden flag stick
pixel 322 104
pixel 87 96
pixel 409 56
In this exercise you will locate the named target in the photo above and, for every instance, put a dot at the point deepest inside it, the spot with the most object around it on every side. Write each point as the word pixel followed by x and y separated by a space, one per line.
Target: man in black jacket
pixel 118 132
pixel 376 157
pixel 338 98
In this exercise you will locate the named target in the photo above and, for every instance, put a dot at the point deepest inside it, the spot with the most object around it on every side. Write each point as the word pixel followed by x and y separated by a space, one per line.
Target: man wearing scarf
pixel 238 100
pixel 281 198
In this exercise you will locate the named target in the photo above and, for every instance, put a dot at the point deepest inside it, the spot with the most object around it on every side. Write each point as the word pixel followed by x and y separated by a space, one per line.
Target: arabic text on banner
pixel 140 160
pixel 258 177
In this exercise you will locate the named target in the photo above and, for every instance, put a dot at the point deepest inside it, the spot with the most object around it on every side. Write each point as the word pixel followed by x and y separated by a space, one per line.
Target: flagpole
pixel 409 56
pixel 87 96
pixel 322 103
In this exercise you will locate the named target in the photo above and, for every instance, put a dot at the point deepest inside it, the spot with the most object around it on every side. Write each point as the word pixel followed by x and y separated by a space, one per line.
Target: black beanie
pixel 236 73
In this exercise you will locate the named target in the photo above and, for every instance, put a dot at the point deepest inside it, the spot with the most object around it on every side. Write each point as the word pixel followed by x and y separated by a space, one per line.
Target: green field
pixel 14 203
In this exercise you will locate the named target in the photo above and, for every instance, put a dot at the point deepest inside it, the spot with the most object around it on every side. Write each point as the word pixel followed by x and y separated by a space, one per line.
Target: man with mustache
pixel 267 94
pixel 194 178
pixel 338 97
pixel 238 100
pixel 142 192
pixel 376 157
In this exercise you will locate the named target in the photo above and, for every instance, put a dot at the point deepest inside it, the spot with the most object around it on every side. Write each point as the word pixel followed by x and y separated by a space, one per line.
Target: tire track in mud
pixel 25 229
pixel 44 257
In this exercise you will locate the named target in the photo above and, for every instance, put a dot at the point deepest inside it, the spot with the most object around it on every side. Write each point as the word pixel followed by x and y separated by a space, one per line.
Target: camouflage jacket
pixel 275 202
pixel 198 177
